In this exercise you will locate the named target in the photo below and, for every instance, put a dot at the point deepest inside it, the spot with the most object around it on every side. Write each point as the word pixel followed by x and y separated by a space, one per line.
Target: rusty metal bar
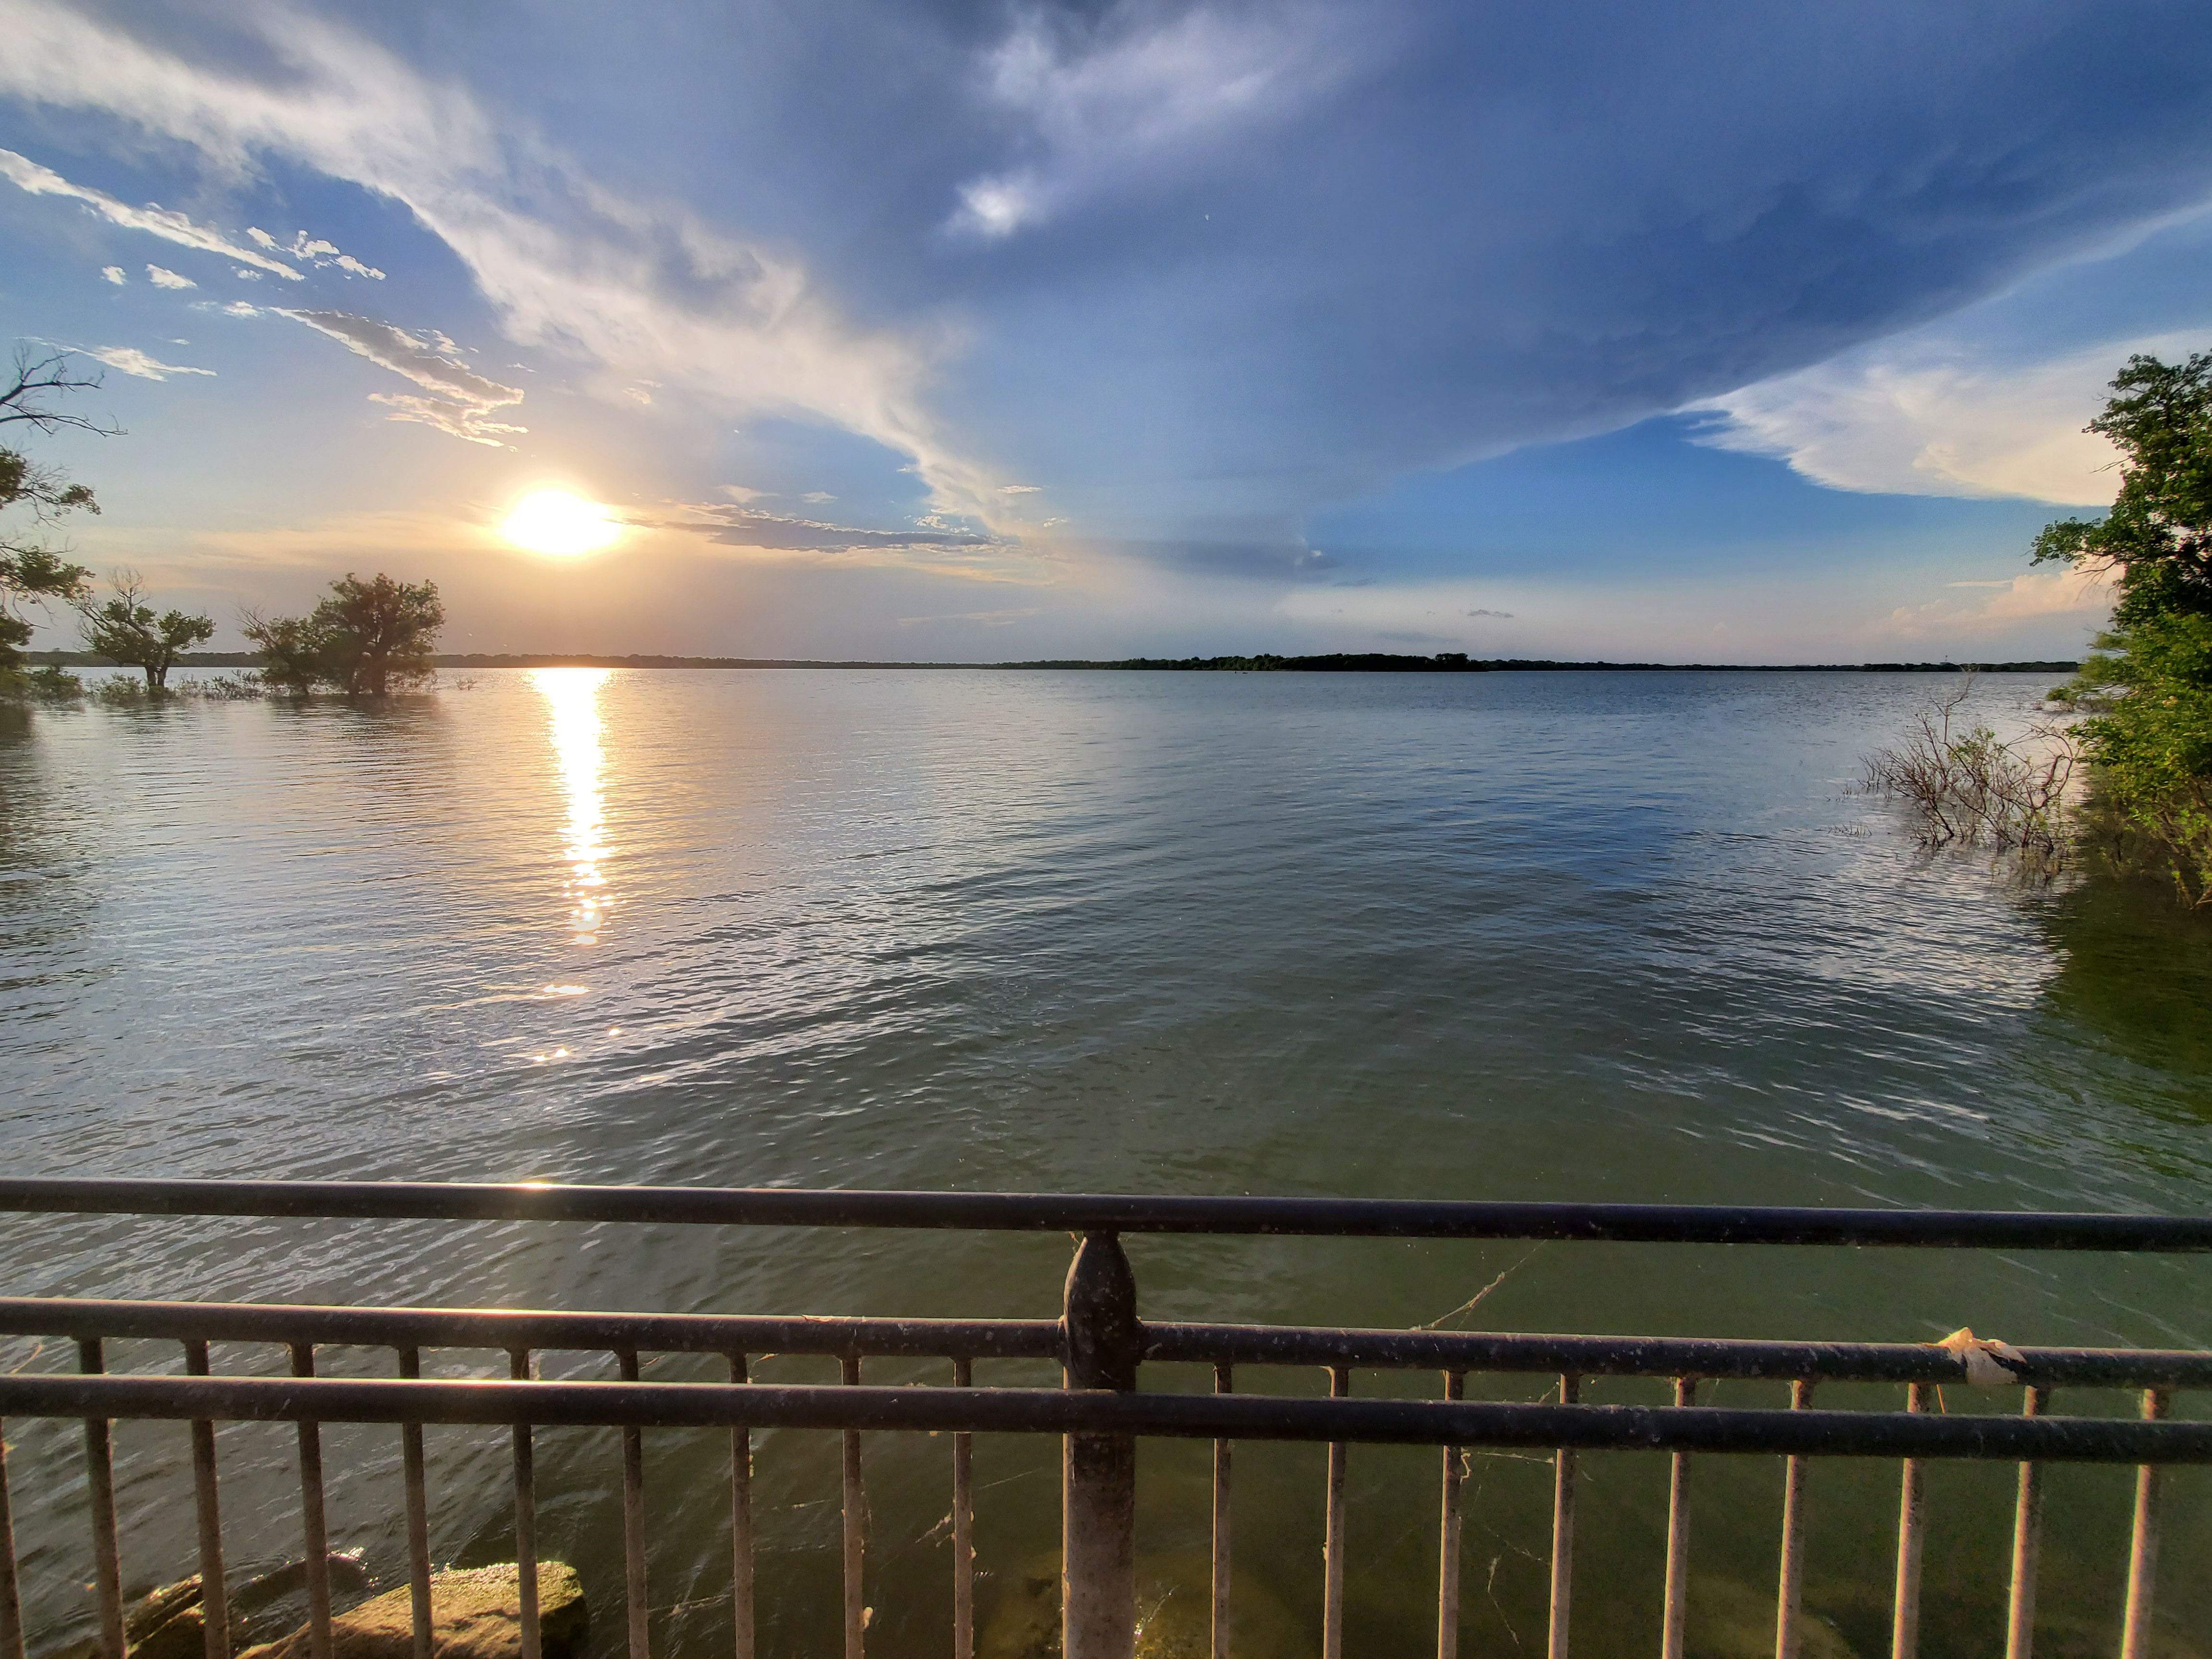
pixel 741 1528
pixel 1117 1415
pixel 214 1602
pixel 1563 1532
pixel 1218 1623
pixel 855 1527
pixel 11 1598
pixel 1789 1592
pixel 418 1515
pixel 1448 1537
pixel 633 1509
pixel 1332 1548
pixel 1674 1611
pixel 963 1528
pixel 100 1479
pixel 2142 1545
pixel 2026 1545
pixel 525 1514
pixel 1040 1339
pixel 317 1534
pixel 1100 1213
pixel 1912 1540
pixel 1099 1471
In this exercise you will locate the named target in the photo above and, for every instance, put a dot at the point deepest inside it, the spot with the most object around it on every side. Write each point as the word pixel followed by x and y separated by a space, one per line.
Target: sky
pixel 1727 332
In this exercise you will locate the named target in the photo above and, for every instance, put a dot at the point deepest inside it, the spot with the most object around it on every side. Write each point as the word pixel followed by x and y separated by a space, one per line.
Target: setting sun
pixel 560 525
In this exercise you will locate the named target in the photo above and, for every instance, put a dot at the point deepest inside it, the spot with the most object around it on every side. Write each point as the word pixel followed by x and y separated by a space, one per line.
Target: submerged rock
pixel 474 1614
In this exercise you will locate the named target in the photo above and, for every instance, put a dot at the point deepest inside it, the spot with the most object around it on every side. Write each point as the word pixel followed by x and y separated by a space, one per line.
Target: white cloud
pixel 461 401
pixel 2031 596
pixel 114 274
pixel 818 497
pixel 740 495
pixel 161 279
pixel 644 290
pixel 131 360
pixel 1148 101
pixel 985 618
pixel 27 175
pixel 316 251
pixel 1019 489
pixel 1922 414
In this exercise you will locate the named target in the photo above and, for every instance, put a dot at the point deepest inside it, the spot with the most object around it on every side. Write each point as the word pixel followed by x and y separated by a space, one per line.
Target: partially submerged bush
pixel 1971 788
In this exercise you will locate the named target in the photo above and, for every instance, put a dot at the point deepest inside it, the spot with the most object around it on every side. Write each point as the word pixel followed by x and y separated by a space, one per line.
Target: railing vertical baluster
pixel 1103 1345
pixel 525 1514
pixel 633 1500
pixel 1563 1532
pixel 1218 1624
pixel 856 1540
pixel 1912 1538
pixel 963 1528
pixel 2026 1545
pixel 1674 1617
pixel 100 1477
pixel 312 1524
pixel 2142 1544
pixel 1331 1603
pixel 11 1598
pixel 418 1515
pixel 215 1601
pixel 1447 1542
pixel 741 1525
pixel 1789 1592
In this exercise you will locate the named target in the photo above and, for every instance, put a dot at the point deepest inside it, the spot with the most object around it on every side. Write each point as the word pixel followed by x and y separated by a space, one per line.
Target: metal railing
pixel 1101 1343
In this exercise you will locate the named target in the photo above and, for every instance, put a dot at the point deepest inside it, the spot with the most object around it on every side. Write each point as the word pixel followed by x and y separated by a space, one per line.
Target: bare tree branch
pixel 36 377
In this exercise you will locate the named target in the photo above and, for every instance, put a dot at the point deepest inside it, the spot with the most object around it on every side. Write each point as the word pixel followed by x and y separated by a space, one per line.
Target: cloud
pixel 738 525
pixel 986 618
pixel 740 495
pixel 1927 415
pixel 161 279
pixel 641 289
pixel 2033 596
pixel 131 360
pixel 1139 96
pixel 27 175
pixel 1502 615
pixel 314 251
pixel 114 274
pixel 818 497
pixel 461 401
pixel 1019 489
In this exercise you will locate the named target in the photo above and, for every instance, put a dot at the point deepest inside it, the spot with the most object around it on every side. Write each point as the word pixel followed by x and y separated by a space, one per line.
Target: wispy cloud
pixel 1926 415
pixel 461 401
pixel 131 360
pixel 1133 101
pixel 2031 596
pixel 738 525
pixel 27 175
pixel 642 290
pixel 114 274
pixel 160 278
pixel 314 251
pixel 985 618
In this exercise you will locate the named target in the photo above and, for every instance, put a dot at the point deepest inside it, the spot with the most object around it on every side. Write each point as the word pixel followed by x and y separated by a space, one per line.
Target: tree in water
pixel 368 638
pixel 126 630
pixel 2148 687
pixel 30 568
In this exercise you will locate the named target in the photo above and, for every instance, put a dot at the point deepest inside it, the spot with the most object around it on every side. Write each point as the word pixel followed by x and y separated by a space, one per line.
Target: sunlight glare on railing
pixel 572 695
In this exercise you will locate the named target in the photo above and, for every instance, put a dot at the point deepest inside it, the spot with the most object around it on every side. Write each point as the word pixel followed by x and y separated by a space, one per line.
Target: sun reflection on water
pixel 572 695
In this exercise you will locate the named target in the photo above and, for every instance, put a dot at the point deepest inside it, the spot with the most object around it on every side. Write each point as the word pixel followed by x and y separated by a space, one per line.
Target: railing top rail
pixel 1065 1411
pixel 505 1328
pixel 1338 1218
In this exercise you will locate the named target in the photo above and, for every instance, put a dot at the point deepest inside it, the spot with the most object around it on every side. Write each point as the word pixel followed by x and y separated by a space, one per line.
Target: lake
pixel 1605 936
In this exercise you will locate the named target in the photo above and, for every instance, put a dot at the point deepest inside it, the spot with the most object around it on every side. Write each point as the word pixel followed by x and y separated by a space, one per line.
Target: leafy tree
pixel 2148 688
pixel 2158 534
pixel 368 638
pixel 30 568
pixel 126 630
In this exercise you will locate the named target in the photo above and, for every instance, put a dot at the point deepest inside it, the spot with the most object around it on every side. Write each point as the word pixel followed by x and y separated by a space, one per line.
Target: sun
pixel 560 525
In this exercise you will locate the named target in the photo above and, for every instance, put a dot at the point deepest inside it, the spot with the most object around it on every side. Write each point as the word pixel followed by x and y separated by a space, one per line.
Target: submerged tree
pixel 31 569
pixel 368 638
pixel 2148 688
pixel 126 630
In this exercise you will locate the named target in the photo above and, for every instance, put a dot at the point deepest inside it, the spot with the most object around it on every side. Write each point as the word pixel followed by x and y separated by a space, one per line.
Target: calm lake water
pixel 1600 936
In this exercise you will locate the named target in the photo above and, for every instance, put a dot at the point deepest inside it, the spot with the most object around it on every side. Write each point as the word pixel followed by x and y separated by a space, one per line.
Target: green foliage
pixel 29 568
pixel 368 638
pixel 2147 690
pixel 126 630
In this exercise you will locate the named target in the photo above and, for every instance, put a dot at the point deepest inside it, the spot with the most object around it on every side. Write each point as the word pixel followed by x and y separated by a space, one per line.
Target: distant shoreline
pixel 1340 662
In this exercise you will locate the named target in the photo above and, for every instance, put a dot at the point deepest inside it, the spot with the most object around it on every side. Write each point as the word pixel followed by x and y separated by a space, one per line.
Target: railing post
pixel 1098 1486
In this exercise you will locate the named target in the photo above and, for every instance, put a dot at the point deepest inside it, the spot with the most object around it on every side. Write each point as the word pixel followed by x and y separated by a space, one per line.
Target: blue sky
pixel 1713 331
